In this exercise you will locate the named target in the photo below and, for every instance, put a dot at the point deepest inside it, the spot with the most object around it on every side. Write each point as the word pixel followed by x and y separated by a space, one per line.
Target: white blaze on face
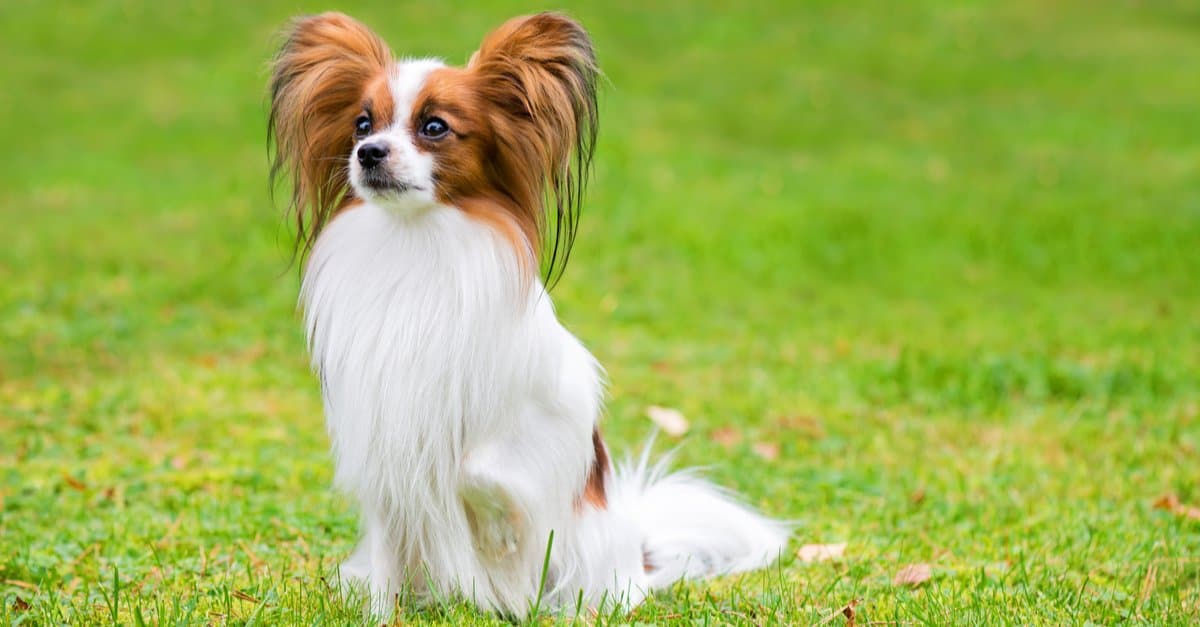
pixel 409 168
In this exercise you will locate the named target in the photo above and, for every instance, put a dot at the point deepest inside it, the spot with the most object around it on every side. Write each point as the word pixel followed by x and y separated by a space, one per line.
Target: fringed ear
pixel 317 84
pixel 540 74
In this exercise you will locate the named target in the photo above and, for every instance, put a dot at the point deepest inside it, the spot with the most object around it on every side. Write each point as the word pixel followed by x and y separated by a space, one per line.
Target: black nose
pixel 370 155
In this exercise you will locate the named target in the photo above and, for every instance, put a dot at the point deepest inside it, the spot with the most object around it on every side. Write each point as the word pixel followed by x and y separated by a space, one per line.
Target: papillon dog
pixel 429 201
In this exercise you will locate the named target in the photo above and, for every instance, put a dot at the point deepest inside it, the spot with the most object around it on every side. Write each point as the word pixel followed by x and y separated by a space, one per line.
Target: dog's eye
pixel 362 126
pixel 434 128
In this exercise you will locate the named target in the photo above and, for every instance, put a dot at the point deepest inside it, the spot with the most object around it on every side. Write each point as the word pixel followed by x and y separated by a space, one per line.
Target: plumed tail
pixel 690 527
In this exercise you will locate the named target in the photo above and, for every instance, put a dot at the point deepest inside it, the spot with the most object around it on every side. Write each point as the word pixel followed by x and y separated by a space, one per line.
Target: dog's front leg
pixel 498 524
pixel 372 568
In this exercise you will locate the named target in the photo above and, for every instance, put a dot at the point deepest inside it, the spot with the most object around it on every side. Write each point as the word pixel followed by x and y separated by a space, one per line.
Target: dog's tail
pixel 691 528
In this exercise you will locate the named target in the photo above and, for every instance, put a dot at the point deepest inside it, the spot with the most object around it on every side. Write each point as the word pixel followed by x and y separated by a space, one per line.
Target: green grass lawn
pixel 924 277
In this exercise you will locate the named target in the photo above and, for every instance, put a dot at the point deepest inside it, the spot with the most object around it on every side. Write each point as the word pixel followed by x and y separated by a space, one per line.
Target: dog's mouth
pixel 382 183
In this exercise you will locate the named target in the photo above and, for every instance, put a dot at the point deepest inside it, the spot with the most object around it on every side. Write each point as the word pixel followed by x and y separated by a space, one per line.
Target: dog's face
pixel 391 162
pixel 353 125
pixel 425 136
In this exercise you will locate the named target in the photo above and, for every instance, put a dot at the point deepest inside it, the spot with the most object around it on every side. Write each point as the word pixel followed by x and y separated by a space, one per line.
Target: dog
pixel 463 416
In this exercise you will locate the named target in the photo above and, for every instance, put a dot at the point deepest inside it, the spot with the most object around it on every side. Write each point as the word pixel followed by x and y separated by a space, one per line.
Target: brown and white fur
pixel 464 417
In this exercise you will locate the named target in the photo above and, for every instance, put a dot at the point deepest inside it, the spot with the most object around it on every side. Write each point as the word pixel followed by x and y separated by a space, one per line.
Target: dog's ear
pixel 318 81
pixel 539 72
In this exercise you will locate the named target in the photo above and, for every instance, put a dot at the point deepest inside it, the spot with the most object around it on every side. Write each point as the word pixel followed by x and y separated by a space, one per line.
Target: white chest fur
pixel 437 360
pixel 416 327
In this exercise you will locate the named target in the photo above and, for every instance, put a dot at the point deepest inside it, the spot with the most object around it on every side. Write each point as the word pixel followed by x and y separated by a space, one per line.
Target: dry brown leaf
pixel 821 552
pixel 849 613
pixel 1171 503
pixel 727 437
pixel 766 450
pixel 1167 502
pixel 73 482
pixel 913 575
pixel 669 420
pixel 807 426
pixel 20 605
pixel 917 497
pixel 846 610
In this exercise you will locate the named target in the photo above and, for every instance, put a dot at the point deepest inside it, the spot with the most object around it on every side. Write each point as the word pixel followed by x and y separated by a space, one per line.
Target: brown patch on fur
pixel 523 121
pixel 379 102
pixel 594 490
pixel 349 202
pixel 647 565
pixel 322 78
pixel 501 219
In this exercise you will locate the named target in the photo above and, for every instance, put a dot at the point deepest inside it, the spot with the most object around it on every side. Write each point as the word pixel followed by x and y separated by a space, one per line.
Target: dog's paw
pixel 365 576
pixel 353 573
pixel 497 524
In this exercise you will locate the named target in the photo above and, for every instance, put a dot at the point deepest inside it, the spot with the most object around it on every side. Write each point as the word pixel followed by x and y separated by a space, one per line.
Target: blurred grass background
pixel 924 276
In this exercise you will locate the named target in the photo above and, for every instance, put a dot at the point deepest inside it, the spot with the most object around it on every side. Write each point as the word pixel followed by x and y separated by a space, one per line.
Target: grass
pixel 944 255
